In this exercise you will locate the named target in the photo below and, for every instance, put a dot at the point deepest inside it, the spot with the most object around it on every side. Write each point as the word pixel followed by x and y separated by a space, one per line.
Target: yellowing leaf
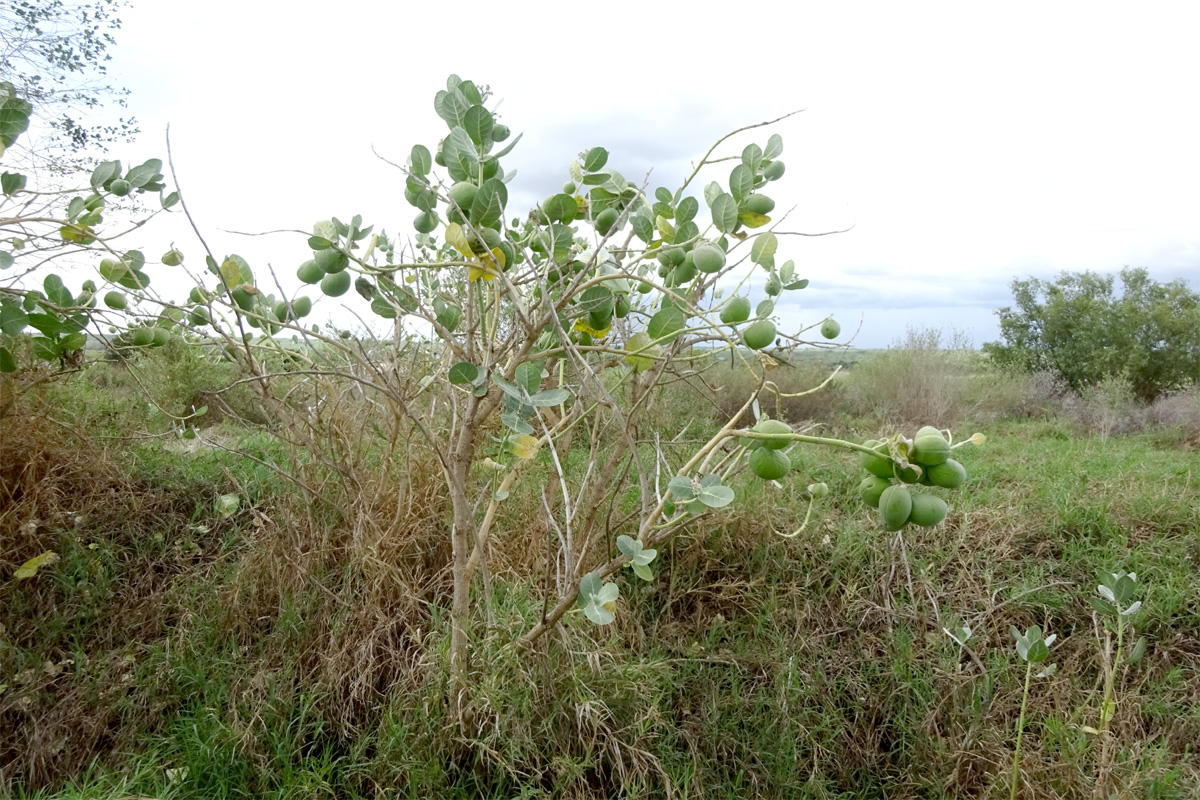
pixel 596 333
pixel 30 568
pixel 752 220
pixel 664 228
pixel 496 260
pixel 457 239
pixel 231 273
pixel 475 272
pixel 525 446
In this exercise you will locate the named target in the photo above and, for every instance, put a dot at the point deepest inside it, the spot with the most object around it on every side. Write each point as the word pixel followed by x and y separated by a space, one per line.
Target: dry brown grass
pixel 74 642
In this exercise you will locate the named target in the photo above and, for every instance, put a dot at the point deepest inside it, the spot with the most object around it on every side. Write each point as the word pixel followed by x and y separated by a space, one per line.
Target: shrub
pixel 916 380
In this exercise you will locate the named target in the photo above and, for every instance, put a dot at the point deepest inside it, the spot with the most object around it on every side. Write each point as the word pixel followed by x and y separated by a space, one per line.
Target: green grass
pixel 282 663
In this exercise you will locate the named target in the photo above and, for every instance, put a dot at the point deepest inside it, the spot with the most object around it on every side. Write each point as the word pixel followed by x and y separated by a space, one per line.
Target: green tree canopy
pixel 1083 328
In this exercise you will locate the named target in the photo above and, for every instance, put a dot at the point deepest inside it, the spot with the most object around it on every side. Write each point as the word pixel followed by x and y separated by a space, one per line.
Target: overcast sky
pixel 964 144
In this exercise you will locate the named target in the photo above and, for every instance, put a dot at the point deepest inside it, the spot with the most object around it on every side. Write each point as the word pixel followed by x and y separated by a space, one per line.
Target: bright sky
pixel 966 144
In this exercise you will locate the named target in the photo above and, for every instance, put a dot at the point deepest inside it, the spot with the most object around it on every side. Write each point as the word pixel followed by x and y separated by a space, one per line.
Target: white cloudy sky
pixel 965 143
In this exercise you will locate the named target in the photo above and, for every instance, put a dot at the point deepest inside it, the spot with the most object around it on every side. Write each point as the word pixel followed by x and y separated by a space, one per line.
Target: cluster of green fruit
pixel 925 461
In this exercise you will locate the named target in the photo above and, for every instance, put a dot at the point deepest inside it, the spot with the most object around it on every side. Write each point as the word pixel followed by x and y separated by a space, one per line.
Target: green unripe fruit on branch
pixel 758 204
pixel 737 310
pixel 500 132
pixel 773 171
pixel 172 258
pixel 871 488
pixel 830 329
pixel 606 220
pixel 770 465
pixel 777 428
pixel 759 335
pixel 881 466
pixel 115 300
pixel 310 272
pixel 121 188
pixel 949 475
pixel 895 506
pixel 242 297
pixel 301 306
pixel 336 284
pixel 331 260
pixel 425 222
pixel 930 449
pixel 708 258
pixel 462 194
pixel 927 510
pixel 818 490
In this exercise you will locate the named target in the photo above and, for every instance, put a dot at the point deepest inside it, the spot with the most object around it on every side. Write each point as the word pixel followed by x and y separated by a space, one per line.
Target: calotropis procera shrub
pixel 540 332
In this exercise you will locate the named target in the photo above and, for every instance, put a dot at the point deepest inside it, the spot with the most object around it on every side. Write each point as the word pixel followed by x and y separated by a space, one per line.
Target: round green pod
pixel 331 260
pixel 737 310
pixel 770 465
pixel 759 334
pixel 930 449
pixel 708 258
pixel 336 284
pixel 949 475
pixel 871 488
pixel 758 204
pixel 310 272
pixel 927 510
pixel 881 466
pixel 775 427
pixel 895 506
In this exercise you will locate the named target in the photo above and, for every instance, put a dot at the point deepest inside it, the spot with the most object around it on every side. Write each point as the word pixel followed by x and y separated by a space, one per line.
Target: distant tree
pixel 1082 328
pixel 55 55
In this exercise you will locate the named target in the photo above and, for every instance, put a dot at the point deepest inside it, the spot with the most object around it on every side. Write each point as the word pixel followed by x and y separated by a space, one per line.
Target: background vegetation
pixel 282 649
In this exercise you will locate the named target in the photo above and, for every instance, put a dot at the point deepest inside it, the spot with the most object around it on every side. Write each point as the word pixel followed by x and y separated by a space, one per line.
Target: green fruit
pixel 645 288
pixel 759 334
pixel 281 310
pixel 770 465
pixel 172 258
pixel 927 510
pixel 930 449
pixel 830 329
pixel 425 222
pixel 569 187
pixel 773 171
pixel 622 308
pixel 708 258
pixel 606 220
pixel 462 194
pixel 142 337
pixel 910 474
pixel 120 188
pixel 198 317
pixel 159 337
pixel 600 320
pixel 115 300
pixel 500 132
pixel 928 429
pixel 878 465
pixel 301 306
pixel 310 272
pixel 895 506
pixel 737 310
pixel 774 427
pixel 871 488
pixel 949 475
pixel 675 256
pixel 758 204
pixel 243 298
pixel 336 284
pixel 331 260
pixel 685 272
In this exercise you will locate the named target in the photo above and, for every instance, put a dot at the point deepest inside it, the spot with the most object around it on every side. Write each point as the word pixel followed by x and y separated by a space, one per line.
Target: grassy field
pixel 287 649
